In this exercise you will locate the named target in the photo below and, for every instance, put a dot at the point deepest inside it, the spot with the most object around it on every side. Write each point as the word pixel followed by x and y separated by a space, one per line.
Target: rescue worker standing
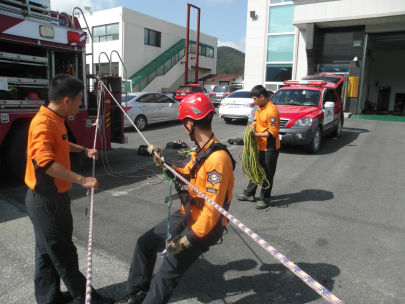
pixel 49 178
pixel 197 225
pixel 266 130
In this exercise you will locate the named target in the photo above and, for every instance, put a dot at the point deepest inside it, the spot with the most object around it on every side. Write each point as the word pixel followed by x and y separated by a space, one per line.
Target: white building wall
pixel 131 47
pixel 256 40
pixel 301 62
pixel 309 11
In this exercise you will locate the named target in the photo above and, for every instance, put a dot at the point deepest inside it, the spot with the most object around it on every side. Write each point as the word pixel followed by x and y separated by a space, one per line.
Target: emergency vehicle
pixel 310 109
pixel 35 45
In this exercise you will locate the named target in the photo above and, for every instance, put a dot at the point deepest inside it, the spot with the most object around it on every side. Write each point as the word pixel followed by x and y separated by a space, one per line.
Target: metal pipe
pixel 77 65
pixel 126 75
pixel 197 47
pixel 187 43
pixel 362 83
pixel 53 64
pixel 99 64
pixel 90 32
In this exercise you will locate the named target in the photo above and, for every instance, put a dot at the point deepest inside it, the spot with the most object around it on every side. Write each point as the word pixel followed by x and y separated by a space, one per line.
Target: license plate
pixel 183 93
pixel 280 137
pixel 220 94
pixel 234 106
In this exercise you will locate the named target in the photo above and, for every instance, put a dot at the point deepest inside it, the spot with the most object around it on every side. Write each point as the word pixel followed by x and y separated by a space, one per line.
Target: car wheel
pixel 140 122
pixel 315 144
pixel 228 120
pixel 336 133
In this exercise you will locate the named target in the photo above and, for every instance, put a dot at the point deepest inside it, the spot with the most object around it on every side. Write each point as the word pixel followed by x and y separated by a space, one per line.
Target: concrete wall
pixel 388 72
pixel 307 11
pixel 301 62
pixel 256 40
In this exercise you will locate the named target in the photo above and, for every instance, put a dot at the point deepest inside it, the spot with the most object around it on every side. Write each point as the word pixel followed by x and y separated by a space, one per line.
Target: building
pixel 363 40
pixel 211 80
pixel 153 50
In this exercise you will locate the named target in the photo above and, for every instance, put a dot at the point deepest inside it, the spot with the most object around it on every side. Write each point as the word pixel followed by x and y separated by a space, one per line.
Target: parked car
pixel 146 108
pixel 238 105
pixel 185 90
pixel 221 92
pixel 309 109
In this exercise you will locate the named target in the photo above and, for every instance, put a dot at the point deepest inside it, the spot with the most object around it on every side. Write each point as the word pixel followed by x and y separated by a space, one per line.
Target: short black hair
pixel 259 90
pixel 64 85
pixel 205 123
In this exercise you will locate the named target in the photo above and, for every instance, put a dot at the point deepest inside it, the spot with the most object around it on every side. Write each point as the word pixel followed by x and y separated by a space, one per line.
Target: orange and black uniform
pixel 48 206
pixel 267 120
pixel 214 177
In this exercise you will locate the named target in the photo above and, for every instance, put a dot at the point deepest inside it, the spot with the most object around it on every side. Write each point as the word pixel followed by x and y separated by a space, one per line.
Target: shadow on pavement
pixel 305 195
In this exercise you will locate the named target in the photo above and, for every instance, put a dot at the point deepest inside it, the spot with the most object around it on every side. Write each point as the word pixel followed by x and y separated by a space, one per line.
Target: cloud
pixel 240 45
pixel 68 5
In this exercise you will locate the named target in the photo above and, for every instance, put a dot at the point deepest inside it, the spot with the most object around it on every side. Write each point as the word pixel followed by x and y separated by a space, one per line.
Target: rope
pixel 322 291
pixel 251 167
pixel 169 235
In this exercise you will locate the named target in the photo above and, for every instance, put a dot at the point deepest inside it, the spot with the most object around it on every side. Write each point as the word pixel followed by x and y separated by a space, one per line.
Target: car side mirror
pixel 329 104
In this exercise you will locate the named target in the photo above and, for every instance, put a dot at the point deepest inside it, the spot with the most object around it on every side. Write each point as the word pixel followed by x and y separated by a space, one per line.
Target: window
pixel 281 18
pixel 160 98
pixel 279 1
pixel 280 48
pixel 148 98
pixel 107 32
pixel 152 38
pixel 242 94
pixel 196 89
pixel 330 96
pixel 278 72
pixel 105 68
pixel 296 97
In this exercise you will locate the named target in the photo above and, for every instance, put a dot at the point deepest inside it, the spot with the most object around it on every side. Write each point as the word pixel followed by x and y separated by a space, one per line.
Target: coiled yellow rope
pixel 251 167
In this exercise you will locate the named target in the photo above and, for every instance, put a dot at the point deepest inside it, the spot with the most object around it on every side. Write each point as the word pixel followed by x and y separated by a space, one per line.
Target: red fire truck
pixel 35 45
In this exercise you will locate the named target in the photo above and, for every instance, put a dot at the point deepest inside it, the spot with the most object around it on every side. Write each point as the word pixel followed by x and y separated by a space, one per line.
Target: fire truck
pixel 35 45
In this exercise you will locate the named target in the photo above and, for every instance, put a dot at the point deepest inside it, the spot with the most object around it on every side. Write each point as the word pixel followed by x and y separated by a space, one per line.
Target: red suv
pixel 184 90
pixel 309 109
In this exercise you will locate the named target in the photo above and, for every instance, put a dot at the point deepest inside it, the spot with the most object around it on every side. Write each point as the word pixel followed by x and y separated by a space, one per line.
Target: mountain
pixel 230 60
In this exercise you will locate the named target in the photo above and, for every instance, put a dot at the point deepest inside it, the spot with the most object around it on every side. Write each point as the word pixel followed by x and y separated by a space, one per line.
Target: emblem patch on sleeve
pixel 272 119
pixel 212 190
pixel 214 177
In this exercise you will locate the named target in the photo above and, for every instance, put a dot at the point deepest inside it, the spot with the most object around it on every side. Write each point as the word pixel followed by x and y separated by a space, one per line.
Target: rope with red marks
pixel 311 282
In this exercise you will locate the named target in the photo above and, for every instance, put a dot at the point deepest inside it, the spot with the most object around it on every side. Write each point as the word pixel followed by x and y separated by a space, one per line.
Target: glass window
pixel 279 1
pixel 280 48
pixel 278 72
pixel 238 94
pixel 148 98
pixel 112 29
pixel 296 97
pixel 152 38
pixel 192 48
pixel 184 88
pixel 221 89
pixel 281 18
pixel 160 98
pixel 99 30
pixel 196 89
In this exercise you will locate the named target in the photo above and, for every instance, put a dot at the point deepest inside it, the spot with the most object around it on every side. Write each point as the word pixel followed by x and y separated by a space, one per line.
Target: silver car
pixel 146 108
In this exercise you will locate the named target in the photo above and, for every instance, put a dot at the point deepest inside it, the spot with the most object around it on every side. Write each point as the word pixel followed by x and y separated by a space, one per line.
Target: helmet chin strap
pixel 191 133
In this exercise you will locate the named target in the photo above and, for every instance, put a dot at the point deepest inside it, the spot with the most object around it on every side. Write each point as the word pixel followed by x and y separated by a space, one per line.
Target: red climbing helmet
pixel 195 106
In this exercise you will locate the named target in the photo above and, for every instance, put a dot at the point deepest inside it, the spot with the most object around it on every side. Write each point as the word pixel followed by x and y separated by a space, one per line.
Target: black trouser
pixel 268 160
pixel 55 254
pixel 173 267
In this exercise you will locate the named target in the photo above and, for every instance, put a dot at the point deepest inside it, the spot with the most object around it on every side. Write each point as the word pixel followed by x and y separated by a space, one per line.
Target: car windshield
pixel 221 89
pixel 130 97
pixel 185 88
pixel 238 94
pixel 297 97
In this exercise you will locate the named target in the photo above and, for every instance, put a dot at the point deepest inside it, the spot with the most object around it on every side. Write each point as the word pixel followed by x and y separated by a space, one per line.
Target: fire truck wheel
pixel 140 122
pixel 14 154
pixel 315 144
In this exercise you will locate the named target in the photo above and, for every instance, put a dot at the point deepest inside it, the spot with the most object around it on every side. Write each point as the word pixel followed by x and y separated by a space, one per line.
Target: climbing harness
pixel 325 293
pixel 251 167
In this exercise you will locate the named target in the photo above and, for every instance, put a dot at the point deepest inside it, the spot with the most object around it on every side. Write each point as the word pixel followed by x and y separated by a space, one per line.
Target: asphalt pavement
pixel 338 215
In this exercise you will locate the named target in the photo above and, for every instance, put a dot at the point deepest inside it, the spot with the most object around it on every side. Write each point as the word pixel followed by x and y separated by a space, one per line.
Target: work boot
pixel 97 298
pixel 242 197
pixel 64 298
pixel 133 298
pixel 263 205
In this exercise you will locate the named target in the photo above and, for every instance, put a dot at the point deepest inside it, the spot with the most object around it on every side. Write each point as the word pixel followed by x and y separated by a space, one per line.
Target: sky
pixel 224 19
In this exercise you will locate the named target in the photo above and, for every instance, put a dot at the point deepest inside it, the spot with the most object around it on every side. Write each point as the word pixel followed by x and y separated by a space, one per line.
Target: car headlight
pixel 304 122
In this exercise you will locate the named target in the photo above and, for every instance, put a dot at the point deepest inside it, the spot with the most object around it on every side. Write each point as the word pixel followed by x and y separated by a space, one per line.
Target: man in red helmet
pixel 197 225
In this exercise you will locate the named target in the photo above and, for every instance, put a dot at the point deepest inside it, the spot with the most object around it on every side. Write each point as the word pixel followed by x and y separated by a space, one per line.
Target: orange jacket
pixel 47 143
pixel 268 120
pixel 215 178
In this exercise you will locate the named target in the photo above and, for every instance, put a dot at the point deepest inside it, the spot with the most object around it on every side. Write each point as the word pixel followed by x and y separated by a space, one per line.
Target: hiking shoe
pixel 133 298
pixel 242 197
pixel 64 298
pixel 99 299
pixel 263 205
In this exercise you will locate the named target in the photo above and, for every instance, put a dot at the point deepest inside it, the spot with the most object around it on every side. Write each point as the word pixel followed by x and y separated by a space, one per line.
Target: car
pixel 146 108
pixel 238 105
pixel 309 109
pixel 221 92
pixel 185 90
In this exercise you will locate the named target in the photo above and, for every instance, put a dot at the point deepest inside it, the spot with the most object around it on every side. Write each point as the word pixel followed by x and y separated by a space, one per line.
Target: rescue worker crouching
pixel 197 225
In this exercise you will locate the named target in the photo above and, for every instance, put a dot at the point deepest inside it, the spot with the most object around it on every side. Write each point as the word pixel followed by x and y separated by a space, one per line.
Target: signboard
pixel 353 86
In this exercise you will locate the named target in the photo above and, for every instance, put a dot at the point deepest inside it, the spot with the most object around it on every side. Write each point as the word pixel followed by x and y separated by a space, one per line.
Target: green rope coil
pixel 251 167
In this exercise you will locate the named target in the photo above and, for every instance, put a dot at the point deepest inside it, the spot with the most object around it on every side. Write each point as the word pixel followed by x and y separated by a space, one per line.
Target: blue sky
pixel 224 19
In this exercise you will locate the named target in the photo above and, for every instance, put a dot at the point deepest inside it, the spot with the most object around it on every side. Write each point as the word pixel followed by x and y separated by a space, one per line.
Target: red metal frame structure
pixel 188 41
